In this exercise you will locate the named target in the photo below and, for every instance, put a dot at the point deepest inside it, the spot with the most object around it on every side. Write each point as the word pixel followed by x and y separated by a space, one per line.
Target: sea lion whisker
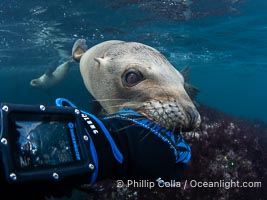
pixel 138 118
pixel 129 126
pixel 123 128
pixel 119 105
pixel 145 136
pixel 141 132
pixel 154 108
pixel 103 100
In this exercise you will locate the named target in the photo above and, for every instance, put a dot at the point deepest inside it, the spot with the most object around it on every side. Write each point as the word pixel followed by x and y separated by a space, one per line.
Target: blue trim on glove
pixel 61 101
pixel 116 152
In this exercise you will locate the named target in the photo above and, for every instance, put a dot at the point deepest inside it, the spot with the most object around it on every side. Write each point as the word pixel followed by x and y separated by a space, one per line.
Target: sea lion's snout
pixel 193 119
pixel 170 114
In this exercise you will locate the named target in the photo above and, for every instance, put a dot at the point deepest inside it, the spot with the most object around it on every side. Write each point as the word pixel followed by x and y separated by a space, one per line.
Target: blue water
pixel 224 42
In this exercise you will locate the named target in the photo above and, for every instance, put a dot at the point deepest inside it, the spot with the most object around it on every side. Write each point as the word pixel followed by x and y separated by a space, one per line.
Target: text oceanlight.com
pixel 187 183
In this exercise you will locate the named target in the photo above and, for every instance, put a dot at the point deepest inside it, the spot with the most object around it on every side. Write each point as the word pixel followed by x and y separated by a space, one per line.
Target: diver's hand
pixel 149 151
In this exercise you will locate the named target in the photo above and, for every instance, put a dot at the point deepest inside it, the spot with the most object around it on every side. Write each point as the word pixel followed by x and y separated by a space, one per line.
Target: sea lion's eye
pixel 131 78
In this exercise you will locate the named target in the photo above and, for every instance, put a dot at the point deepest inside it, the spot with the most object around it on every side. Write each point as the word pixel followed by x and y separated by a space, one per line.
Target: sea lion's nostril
pixel 193 116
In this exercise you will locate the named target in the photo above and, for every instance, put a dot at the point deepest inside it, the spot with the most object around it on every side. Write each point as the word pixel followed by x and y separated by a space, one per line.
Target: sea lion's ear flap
pixel 78 49
pixel 49 72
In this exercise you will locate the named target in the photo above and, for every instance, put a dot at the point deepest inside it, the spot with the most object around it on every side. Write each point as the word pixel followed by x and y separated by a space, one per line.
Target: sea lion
pixel 133 75
pixel 52 77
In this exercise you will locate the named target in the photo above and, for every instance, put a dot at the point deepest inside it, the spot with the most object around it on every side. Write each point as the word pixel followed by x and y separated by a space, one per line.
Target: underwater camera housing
pixel 44 144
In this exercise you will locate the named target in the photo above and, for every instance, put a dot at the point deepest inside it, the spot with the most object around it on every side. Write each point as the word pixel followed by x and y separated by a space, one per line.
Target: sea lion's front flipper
pixel 49 71
pixel 78 49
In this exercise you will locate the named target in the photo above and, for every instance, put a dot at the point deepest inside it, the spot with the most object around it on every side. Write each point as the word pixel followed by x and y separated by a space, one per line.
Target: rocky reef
pixel 228 162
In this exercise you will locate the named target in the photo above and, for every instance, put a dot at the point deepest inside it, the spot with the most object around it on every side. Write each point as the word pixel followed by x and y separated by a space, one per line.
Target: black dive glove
pixel 129 146
pixel 55 151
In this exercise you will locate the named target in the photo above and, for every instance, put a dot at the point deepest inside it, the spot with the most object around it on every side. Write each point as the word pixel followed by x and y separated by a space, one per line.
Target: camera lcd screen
pixel 42 141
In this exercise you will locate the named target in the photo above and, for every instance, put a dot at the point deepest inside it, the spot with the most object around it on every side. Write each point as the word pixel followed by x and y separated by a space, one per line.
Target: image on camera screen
pixel 44 143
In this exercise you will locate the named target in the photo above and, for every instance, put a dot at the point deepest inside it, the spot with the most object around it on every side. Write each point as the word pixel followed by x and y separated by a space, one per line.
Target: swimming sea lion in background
pixel 52 77
pixel 133 75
